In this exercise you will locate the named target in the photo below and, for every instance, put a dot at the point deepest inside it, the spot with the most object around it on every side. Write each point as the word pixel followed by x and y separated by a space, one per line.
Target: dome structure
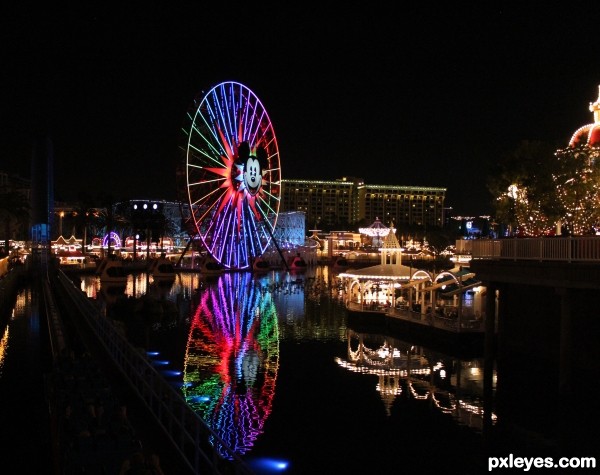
pixel 589 134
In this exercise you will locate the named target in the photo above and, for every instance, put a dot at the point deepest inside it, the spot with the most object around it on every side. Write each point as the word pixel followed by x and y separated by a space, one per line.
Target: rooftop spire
pixel 595 107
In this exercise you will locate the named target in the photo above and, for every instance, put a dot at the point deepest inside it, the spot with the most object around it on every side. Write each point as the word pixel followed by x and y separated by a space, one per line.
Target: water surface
pixel 272 364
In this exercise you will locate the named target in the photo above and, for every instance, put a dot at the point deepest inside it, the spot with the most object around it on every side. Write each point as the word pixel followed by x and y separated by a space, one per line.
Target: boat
pixel 210 266
pixel 162 270
pixel 111 270
pixel 297 263
pixel 260 265
pixel 340 262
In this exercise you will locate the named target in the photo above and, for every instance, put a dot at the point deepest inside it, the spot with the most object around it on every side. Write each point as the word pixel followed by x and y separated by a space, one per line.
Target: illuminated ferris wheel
pixel 233 174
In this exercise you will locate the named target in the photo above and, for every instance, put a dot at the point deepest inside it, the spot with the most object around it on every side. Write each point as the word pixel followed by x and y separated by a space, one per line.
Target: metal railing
pixel 198 445
pixel 566 249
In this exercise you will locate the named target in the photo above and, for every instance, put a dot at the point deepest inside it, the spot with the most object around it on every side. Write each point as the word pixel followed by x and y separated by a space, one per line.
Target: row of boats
pixel 114 270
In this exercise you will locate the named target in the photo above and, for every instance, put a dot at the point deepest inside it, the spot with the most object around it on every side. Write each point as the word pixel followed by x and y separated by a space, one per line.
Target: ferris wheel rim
pixel 224 193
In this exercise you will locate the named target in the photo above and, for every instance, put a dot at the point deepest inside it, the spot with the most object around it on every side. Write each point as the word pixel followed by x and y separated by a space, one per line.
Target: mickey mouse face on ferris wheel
pixel 252 175
pixel 253 172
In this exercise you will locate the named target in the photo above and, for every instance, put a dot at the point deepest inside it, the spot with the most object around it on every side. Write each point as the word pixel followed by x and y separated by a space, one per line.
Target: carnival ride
pixel 232 175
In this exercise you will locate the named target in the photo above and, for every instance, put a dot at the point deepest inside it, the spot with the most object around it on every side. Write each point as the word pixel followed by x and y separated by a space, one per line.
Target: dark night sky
pixel 392 92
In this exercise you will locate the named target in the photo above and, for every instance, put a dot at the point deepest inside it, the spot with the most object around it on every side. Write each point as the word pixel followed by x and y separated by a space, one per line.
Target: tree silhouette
pixel 523 187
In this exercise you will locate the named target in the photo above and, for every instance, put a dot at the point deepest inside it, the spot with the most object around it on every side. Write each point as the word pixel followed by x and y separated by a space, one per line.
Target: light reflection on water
pixel 232 328
pixel 232 358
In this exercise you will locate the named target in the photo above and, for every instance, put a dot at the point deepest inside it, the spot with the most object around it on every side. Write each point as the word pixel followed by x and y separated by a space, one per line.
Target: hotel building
pixel 351 200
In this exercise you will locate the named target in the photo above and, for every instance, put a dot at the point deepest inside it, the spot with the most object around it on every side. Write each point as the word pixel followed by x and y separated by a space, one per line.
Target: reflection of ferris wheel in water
pixel 232 359
pixel 233 174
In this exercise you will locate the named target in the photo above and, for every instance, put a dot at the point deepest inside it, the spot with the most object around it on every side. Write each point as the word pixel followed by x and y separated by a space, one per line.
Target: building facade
pixel 347 201
pixel 322 201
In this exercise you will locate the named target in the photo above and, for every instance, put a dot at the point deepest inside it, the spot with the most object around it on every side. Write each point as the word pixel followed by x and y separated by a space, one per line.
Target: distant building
pixel 322 201
pixel 347 201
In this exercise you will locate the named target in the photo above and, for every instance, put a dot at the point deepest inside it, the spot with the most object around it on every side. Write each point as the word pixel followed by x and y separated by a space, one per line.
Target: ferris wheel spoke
pixel 205 197
pixel 259 225
pixel 218 146
pixel 205 154
pixel 266 205
pixel 231 112
pixel 255 235
pixel 243 120
pixel 212 180
pixel 214 126
pixel 269 144
pixel 194 166
pixel 272 196
pixel 213 230
pixel 206 212
pixel 253 131
pixel 224 118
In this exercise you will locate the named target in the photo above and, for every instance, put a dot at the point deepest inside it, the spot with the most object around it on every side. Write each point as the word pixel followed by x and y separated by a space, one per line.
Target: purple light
pixel 114 237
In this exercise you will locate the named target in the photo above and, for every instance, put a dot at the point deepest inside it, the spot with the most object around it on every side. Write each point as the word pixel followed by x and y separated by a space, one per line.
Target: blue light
pixel 199 399
pixel 171 372
pixel 160 362
pixel 152 353
pixel 268 465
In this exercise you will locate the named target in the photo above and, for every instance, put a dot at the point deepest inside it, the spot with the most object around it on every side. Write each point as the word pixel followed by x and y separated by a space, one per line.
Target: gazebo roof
pixel 384 272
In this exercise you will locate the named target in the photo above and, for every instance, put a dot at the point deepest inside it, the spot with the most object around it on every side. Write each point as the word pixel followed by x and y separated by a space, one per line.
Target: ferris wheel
pixel 232 174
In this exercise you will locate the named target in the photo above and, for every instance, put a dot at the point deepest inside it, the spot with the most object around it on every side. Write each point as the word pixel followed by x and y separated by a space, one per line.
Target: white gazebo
pixel 374 288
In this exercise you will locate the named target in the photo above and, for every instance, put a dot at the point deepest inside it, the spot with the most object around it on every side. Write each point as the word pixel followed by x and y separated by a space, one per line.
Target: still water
pixel 272 364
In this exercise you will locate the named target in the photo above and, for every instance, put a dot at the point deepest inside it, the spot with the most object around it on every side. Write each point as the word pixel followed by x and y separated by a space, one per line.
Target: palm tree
pixel 14 211
pixel 113 220
pixel 82 214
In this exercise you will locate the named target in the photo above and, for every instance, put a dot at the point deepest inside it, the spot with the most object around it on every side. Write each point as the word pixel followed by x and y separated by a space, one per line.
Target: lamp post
pixel 61 215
